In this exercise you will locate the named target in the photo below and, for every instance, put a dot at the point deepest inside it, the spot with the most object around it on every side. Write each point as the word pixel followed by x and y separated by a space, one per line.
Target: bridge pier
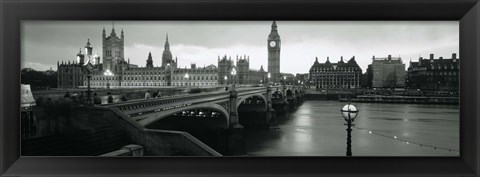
pixel 235 138
pixel 270 113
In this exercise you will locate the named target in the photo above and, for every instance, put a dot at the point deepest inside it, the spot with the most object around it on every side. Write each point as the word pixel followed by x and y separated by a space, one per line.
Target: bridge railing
pixel 128 150
pixel 169 100
pixel 154 142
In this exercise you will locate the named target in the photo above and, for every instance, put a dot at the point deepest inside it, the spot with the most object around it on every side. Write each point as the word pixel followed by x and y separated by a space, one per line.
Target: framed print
pixel 249 88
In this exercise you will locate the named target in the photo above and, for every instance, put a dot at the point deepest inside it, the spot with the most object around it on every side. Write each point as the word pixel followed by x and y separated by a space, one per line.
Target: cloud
pixel 201 42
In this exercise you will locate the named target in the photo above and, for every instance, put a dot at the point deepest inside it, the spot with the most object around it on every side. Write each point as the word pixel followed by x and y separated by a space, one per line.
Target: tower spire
pixel 149 60
pixel 113 29
pixel 167 55
pixel 167 44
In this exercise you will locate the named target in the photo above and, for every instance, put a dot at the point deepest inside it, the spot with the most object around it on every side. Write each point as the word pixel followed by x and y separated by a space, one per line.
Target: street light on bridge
pixel 108 74
pixel 225 80
pixel 186 78
pixel 349 112
pixel 234 79
pixel 268 78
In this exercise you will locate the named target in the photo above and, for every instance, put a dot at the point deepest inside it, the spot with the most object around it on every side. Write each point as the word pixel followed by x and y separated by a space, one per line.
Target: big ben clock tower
pixel 274 44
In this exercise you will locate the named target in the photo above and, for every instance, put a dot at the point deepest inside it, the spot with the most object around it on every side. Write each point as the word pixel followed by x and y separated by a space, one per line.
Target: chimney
pixel 454 56
pixel 389 57
pixel 431 56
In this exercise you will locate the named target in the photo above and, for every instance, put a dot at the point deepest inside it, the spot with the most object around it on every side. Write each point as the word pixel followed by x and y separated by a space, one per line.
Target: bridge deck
pixel 137 109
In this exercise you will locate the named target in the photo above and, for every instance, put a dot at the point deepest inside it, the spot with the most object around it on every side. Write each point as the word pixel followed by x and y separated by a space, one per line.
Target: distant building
pixel 243 69
pixel 364 80
pixel 343 75
pixel 434 74
pixel 244 75
pixel 257 76
pixel 73 74
pixel 387 72
pixel 287 78
pixel 303 78
pixel 225 67
pixel 115 71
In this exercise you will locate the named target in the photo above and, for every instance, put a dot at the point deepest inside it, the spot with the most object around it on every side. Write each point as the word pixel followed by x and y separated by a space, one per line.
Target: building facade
pixel 243 76
pixel 387 72
pixel 341 75
pixel 112 70
pixel 257 76
pixel 434 74
pixel 70 74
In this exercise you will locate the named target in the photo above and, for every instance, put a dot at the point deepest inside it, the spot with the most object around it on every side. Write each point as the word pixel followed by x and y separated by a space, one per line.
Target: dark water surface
pixel 316 128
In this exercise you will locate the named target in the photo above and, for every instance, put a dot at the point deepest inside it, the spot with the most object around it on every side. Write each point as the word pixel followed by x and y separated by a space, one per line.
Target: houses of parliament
pixel 113 71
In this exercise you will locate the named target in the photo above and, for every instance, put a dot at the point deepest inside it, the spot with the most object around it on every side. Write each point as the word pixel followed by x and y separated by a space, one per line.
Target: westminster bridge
pixel 195 124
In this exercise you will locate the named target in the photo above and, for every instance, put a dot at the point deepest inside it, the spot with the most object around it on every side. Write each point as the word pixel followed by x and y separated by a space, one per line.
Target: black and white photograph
pixel 240 88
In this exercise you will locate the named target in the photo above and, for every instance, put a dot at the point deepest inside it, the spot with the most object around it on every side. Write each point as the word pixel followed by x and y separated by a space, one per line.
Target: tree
pixel 391 80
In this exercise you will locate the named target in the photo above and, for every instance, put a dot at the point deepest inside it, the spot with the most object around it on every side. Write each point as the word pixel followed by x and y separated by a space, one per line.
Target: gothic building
pixel 340 75
pixel 273 45
pixel 244 75
pixel 113 52
pixel 114 71
pixel 167 59
pixel 434 74
pixel 225 67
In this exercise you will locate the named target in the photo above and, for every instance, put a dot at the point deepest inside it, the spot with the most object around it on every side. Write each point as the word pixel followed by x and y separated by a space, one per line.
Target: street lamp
pixel 108 73
pixel 225 80
pixel 268 79
pixel 349 112
pixel 89 91
pixel 186 78
pixel 234 73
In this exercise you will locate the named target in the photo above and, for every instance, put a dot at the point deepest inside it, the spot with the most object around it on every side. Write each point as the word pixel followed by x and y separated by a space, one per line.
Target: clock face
pixel 273 44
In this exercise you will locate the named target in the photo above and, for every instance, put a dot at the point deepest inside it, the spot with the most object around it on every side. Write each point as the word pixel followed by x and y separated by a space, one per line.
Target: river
pixel 316 128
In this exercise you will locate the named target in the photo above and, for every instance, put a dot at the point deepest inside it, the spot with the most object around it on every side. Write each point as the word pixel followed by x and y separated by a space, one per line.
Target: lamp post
pixel 234 74
pixel 108 73
pixel 168 79
pixel 89 91
pixel 349 112
pixel 268 79
pixel 225 80
pixel 186 78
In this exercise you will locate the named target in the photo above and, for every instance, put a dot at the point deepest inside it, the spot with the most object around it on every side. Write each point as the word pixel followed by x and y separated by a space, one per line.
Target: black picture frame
pixel 465 11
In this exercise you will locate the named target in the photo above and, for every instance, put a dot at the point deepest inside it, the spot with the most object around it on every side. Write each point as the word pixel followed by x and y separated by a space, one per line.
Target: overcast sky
pixel 201 42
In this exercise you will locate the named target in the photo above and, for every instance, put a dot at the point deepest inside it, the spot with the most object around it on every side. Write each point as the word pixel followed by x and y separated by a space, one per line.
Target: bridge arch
pixel 242 99
pixel 277 94
pixel 168 113
pixel 252 110
pixel 289 93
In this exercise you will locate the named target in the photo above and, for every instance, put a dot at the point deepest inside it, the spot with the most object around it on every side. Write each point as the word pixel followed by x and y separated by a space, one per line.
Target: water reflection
pixel 317 129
